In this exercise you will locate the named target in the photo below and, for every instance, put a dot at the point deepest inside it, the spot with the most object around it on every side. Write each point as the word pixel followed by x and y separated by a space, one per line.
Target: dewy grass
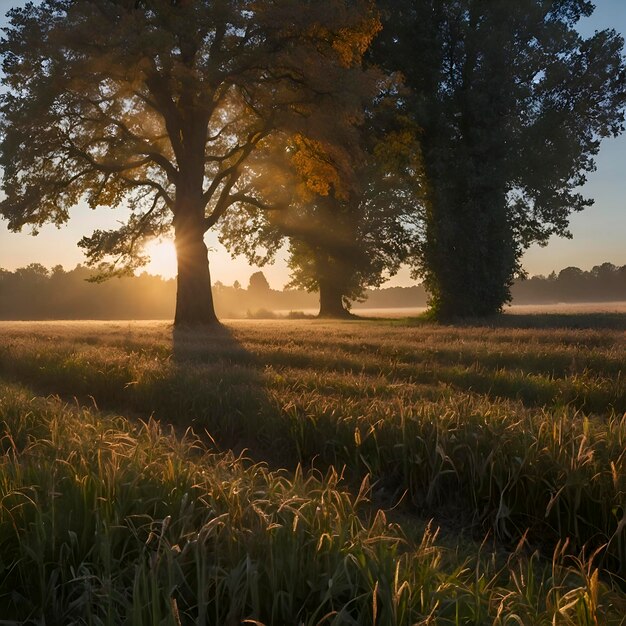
pixel 104 522
pixel 519 432
pixel 515 450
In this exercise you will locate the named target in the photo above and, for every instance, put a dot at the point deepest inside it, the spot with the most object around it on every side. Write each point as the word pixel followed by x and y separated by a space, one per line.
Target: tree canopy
pixel 513 103
pixel 158 105
pixel 348 232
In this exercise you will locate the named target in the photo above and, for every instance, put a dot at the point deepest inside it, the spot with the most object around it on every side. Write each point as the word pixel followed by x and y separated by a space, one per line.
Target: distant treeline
pixel 35 293
pixel 603 283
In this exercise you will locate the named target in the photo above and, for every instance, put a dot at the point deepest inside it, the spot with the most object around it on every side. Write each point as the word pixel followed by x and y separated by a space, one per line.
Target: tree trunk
pixel 194 299
pixel 470 256
pixel 331 300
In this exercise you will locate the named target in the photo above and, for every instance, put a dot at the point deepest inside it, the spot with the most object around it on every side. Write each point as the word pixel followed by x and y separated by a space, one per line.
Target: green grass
pixel 514 433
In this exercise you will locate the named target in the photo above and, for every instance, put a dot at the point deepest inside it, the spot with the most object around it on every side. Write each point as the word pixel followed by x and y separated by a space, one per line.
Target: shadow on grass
pixel 216 386
pixel 204 380
pixel 513 377
pixel 522 321
pixel 539 321
pixel 207 345
pixel 207 380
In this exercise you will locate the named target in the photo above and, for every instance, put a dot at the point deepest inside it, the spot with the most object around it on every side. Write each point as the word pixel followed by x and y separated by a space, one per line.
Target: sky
pixel 599 233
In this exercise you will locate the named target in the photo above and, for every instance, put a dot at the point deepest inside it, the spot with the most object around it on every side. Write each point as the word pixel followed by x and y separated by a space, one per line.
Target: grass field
pixel 303 472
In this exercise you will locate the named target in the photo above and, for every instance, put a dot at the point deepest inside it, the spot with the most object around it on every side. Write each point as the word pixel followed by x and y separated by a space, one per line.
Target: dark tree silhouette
pixel 159 105
pixel 513 103
pixel 258 284
pixel 343 245
pixel 348 229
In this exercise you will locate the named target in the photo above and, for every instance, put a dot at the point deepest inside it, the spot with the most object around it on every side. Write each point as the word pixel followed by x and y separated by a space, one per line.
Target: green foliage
pixel 513 103
pixel 344 246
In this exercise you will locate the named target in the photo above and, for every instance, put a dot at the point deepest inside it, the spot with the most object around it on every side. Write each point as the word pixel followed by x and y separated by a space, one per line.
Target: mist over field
pixel 35 292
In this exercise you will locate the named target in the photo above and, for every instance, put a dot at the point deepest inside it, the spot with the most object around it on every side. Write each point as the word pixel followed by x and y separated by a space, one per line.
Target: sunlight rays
pixel 162 253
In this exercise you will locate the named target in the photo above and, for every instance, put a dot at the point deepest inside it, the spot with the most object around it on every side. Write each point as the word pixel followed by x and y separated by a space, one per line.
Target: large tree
pixel 513 103
pixel 159 105
pixel 342 244
pixel 348 228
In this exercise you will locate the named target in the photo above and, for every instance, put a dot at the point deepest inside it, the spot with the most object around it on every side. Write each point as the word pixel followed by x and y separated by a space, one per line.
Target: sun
pixel 162 253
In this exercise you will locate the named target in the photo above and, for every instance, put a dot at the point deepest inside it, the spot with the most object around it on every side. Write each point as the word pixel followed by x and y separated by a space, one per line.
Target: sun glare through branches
pixel 162 253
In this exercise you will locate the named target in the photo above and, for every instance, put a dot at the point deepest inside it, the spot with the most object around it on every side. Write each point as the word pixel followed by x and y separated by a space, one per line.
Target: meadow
pixel 370 472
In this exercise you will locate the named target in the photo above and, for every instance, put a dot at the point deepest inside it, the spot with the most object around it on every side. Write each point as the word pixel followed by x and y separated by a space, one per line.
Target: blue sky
pixel 599 233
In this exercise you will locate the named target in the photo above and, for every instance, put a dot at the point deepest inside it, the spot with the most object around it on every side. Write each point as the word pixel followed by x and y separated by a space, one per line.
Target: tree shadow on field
pixel 205 345
pixel 217 387
pixel 204 380
pixel 553 321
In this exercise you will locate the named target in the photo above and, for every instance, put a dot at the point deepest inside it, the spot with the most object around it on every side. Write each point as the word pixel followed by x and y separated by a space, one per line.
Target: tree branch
pixel 246 150
pixel 255 202
pixel 222 204
pixel 161 192
pixel 109 168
